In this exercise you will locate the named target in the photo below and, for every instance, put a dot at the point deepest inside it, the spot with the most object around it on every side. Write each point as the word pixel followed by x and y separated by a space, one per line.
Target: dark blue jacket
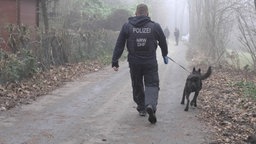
pixel 141 36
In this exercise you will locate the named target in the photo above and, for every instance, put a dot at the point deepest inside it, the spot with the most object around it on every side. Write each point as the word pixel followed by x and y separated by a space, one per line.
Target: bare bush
pixel 246 18
pixel 210 26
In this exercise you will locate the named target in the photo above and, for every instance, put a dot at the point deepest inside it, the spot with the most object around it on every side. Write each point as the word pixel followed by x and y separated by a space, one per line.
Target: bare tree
pixel 195 20
pixel 210 25
pixel 247 27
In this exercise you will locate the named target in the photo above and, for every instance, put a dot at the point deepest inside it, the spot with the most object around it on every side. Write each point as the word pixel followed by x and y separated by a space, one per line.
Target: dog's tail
pixel 207 74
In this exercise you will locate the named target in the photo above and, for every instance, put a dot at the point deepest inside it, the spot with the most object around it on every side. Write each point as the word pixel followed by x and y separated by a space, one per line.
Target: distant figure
pixel 177 35
pixel 166 32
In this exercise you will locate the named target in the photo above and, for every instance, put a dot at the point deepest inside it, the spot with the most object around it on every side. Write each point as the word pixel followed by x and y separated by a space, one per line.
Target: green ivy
pixel 249 88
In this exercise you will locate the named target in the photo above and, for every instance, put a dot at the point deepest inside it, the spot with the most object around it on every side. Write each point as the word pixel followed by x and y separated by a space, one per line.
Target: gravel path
pixel 98 109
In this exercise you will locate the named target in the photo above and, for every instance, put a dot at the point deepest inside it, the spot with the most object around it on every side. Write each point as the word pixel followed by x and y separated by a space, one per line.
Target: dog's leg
pixel 188 101
pixel 183 97
pixel 193 102
pixel 195 98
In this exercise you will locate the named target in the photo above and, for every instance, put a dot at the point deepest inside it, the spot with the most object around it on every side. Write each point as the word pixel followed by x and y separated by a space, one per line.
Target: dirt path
pixel 98 109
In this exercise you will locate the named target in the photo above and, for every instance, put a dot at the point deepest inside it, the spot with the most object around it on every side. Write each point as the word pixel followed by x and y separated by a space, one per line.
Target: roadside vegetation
pixel 74 37
pixel 225 38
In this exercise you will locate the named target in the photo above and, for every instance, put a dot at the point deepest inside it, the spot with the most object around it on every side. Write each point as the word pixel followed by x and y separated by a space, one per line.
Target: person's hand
pixel 165 59
pixel 115 66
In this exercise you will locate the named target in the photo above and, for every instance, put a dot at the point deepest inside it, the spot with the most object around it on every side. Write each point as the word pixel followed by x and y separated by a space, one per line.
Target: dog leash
pixel 178 64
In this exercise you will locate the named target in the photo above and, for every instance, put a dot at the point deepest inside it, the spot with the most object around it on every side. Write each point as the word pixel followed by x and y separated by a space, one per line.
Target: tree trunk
pixel 18 11
pixel 255 4
pixel 45 16
pixel 37 13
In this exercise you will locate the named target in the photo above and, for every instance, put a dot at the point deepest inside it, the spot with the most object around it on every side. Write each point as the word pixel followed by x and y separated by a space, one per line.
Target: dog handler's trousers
pixel 145 85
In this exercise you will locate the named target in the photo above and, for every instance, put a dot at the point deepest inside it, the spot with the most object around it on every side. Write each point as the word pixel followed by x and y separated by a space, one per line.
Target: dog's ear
pixel 194 69
pixel 199 70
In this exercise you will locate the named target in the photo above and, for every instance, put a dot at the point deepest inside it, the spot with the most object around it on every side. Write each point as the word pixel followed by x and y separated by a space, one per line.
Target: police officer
pixel 142 36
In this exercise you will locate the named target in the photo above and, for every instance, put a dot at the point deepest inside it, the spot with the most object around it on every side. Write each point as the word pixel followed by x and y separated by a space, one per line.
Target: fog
pixel 171 14
pixel 168 13
pixel 213 25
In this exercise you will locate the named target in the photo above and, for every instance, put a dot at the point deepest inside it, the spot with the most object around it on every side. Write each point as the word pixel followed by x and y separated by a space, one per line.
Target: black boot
pixel 151 113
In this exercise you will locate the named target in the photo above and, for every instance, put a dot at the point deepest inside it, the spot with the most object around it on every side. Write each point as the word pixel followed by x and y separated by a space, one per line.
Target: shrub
pixel 15 67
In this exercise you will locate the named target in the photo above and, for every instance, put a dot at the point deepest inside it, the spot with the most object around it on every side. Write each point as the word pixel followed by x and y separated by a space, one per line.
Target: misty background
pixel 220 32
pixel 44 43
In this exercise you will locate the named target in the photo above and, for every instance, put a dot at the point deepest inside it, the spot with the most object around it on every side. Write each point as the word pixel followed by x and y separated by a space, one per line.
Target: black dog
pixel 194 84
pixel 251 139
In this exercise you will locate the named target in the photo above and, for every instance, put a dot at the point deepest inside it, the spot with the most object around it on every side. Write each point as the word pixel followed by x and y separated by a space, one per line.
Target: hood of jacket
pixel 139 21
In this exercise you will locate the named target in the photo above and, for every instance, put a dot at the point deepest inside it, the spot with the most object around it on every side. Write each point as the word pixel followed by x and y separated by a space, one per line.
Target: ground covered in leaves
pixel 228 106
pixel 26 91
